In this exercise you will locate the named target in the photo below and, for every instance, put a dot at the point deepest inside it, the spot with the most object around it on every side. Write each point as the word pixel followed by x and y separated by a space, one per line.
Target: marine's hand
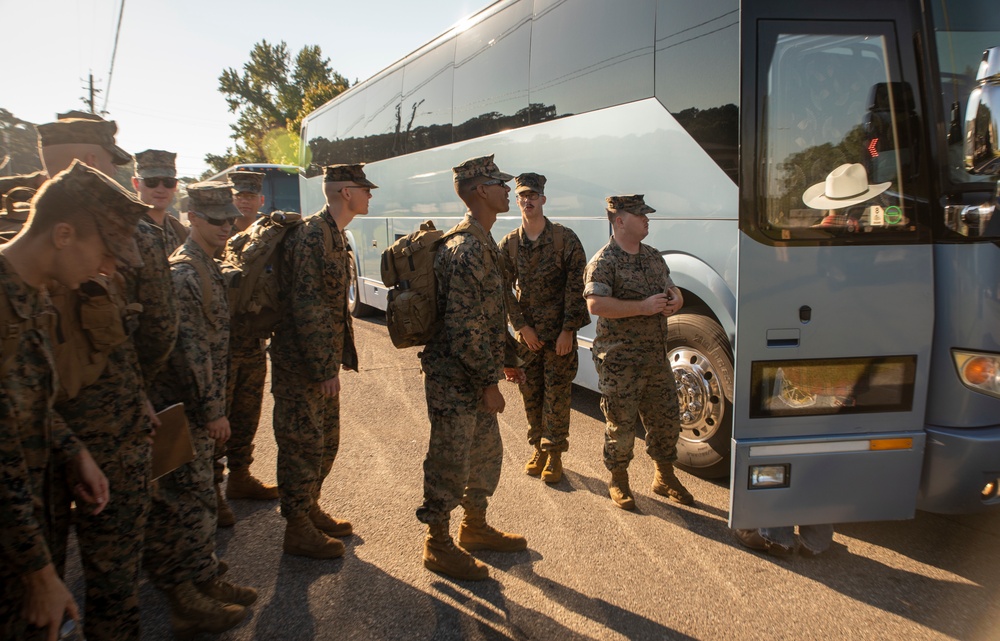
pixel 655 304
pixel 330 387
pixel 514 375
pixel 565 343
pixel 675 303
pixel 493 401
pixel 91 486
pixel 530 337
pixel 219 429
pixel 47 600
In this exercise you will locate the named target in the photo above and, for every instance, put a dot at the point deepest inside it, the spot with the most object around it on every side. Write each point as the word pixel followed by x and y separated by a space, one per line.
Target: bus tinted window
pixel 427 92
pixel 589 54
pixel 383 117
pixel 319 134
pixel 690 38
pixel 491 73
pixel 349 146
pixel 830 101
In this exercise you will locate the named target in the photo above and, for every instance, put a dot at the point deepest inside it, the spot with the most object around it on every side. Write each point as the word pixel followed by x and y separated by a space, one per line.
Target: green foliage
pixel 271 96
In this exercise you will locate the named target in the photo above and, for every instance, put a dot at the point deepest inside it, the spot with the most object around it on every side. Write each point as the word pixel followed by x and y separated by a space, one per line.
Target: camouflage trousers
pixel 180 535
pixel 547 395
pixel 465 451
pixel 111 543
pixel 247 371
pixel 307 430
pixel 630 393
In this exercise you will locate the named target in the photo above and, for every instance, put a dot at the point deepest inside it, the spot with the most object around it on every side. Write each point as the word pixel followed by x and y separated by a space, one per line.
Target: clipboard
pixel 172 445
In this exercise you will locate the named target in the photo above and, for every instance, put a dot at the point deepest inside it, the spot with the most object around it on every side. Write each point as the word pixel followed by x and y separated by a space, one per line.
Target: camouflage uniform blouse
pixel 30 431
pixel 636 340
pixel 315 336
pixel 471 341
pixel 549 288
pixel 199 364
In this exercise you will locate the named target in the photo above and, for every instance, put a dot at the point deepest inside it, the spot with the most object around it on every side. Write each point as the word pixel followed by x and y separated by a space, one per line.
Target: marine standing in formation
pixel 628 286
pixel 247 372
pixel 547 261
pixel 180 535
pixel 80 224
pixel 155 181
pixel 463 364
pixel 310 346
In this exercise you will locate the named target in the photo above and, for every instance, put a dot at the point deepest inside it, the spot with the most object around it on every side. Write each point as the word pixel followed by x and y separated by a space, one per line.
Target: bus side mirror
pixel 982 118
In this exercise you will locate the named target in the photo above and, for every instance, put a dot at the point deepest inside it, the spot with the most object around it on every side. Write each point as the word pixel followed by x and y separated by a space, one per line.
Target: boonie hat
pixel 632 204
pixel 116 211
pixel 244 182
pixel 212 199
pixel 348 173
pixel 530 182
pixel 844 186
pixel 156 163
pixel 91 131
pixel 482 166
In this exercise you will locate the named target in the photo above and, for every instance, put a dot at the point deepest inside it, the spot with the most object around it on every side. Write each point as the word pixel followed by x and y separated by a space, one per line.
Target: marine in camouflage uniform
pixel 155 181
pixel 547 263
pixel 180 535
pixel 628 285
pixel 462 364
pixel 35 443
pixel 248 370
pixel 311 344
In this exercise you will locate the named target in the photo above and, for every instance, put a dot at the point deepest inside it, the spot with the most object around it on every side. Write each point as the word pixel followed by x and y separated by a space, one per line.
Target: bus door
pixel 835 291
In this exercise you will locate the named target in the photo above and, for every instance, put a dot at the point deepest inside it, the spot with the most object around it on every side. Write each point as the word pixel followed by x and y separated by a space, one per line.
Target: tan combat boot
pixel 536 464
pixel 476 534
pixel 441 555
pixel 192 612
pixel 227 592
pixel 553 469
pixel 303 539
pixel 665 483
pixel 226 516
pixel 327 524
pixel 244 486
pixel 619 490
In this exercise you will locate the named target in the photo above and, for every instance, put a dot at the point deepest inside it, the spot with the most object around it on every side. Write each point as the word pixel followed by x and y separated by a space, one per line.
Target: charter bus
pixel 839 365
pixel 281 185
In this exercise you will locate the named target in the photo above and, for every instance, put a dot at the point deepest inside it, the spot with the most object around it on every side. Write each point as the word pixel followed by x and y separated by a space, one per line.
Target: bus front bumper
pixel 961 470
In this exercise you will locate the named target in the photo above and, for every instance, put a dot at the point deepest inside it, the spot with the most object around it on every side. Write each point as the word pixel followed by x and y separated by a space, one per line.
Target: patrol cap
pixel 91 130
pixel 155 163
pixel 482 166
pixel 530 182
pixel 116 211
pixel 633 204
pixel 348 173
pixel 33 180
pixel 18 199
pixel 247 182
pixel 212 199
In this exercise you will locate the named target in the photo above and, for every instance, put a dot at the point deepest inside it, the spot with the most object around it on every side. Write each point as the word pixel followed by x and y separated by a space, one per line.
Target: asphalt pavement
pixel 591 571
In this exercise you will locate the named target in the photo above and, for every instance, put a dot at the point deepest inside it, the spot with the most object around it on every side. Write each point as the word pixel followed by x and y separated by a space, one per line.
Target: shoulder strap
pixel 178 227
pixel 513 245
pixel 557 242
pixel 465 227
pixel 203 276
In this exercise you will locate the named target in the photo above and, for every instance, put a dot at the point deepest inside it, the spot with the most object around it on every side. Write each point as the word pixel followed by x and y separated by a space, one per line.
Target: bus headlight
pixel 979 372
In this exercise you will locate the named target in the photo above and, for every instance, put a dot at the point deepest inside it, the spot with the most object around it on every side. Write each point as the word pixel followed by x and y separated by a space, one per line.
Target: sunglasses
pixel 215 221
pixel 492 182
pixel 532 196
pixel 153 183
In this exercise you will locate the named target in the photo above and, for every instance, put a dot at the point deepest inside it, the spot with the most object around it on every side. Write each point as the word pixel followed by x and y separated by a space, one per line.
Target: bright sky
pixel 164 88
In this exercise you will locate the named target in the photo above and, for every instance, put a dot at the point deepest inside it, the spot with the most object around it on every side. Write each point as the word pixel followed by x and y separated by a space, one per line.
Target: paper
pixel 172 443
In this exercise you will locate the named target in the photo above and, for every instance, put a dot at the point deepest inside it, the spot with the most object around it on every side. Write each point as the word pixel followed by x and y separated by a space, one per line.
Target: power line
pixel 114 52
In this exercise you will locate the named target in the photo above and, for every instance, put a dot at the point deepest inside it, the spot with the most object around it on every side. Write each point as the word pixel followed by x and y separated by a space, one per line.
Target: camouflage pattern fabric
pixel 630 393
pixel 156 163
pixel 481 166
pixel 251 182
pixel 180 537
pixel 31 435
pixel 170 233
pixel 548 297
pixel 247 372
pixel 464 357
pixel 632 204
pixel 348 173
pixel 311 344
pixel 634 375
pixel 616 273
pixel 109 417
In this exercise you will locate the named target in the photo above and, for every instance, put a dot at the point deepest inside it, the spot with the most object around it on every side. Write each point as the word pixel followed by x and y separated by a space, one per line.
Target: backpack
pixel 252 265
pixel 411 313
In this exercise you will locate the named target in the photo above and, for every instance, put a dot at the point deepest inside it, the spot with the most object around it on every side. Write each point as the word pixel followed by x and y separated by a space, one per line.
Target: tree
pixel 271 97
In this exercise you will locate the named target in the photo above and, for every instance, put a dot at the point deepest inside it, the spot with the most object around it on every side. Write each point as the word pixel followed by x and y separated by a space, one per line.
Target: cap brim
pixel 366 183
pixel 119 156
pixel 500 175
pixel 815 197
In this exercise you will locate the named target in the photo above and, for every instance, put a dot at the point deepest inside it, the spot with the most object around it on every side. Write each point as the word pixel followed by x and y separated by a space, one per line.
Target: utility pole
pixel 91 96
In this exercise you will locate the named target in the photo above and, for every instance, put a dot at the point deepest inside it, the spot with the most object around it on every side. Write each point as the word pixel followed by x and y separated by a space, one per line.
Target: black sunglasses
pixel 153 183
pixel 215 221
pixel 492 182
